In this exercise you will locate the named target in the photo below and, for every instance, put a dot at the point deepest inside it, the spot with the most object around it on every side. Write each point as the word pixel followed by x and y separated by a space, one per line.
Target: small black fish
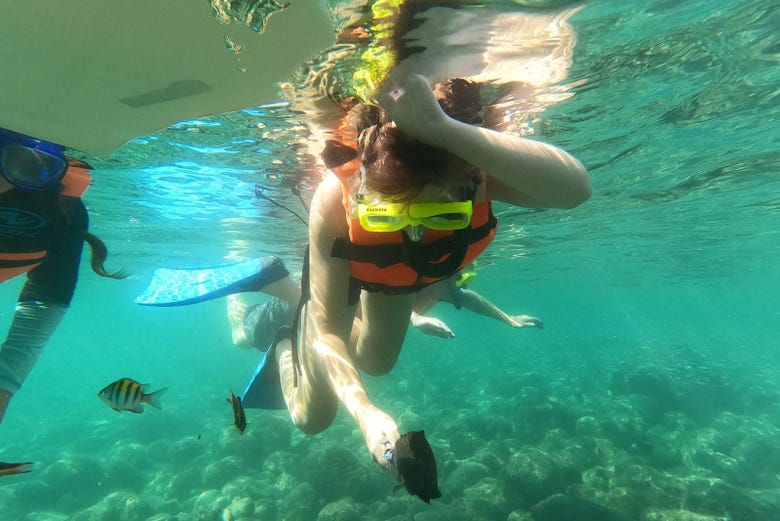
pixel 239 417
pixel 416 465
pixel 9 469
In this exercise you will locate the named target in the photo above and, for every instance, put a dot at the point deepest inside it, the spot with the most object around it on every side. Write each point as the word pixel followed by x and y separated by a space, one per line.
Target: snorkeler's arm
pixel 431 326
pixel 331 317
pixel 329 311
pixel 522 171
pixel 476 303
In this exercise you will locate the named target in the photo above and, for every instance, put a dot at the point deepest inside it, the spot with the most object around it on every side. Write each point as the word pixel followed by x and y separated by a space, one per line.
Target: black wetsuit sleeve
pixel 54 281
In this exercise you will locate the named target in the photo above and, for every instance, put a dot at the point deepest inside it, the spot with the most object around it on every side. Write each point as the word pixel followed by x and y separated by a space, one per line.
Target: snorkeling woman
pixel 43 226
pixel 408 206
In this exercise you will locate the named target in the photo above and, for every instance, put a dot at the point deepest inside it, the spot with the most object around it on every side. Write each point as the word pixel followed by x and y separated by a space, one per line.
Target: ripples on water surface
pixel 672 106
pixel 666 103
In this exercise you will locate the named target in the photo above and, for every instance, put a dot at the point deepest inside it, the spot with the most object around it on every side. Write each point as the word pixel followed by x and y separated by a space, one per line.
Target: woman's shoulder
pixel 327 209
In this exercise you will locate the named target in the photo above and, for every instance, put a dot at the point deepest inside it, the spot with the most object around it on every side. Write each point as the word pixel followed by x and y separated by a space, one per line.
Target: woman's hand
pixel 381 434
pixel 410 103
pixel 431 326
pixel 526 321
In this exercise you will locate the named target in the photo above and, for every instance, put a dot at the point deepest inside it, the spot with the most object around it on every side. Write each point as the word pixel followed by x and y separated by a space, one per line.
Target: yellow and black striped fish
pixel 127 395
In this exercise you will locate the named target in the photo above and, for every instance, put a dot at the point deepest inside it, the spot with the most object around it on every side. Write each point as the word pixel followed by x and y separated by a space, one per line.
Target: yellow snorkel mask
pixel 380 216
pixel 392 217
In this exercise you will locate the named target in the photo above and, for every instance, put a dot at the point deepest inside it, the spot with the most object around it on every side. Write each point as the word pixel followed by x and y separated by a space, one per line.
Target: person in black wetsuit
pixel 43 226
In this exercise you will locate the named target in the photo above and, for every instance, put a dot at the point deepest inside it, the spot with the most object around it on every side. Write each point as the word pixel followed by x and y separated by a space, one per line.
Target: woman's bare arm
pixel 521 171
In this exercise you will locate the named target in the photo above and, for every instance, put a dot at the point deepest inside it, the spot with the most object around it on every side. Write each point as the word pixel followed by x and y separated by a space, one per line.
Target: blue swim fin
pixel 181 287
pixel 264 390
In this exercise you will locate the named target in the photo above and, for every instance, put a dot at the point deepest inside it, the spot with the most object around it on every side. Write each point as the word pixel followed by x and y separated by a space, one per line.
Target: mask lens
pixel 381 218
pixel 447 221
pixel 29 168
pixel 382 223
pixel 443 216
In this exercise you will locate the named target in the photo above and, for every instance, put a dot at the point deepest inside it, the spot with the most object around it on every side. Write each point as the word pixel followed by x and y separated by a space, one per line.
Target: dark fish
pixel 239 417
pixel 9 469
pixel 416 465
pixel 127 395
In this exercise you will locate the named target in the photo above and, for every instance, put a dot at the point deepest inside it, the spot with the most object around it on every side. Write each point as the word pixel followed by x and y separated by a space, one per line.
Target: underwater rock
pixel 125 466
pixel 39 516
pixel 561 507
pixel 572 456
pixel 528 477
pixel 302 503
pixel 411 420
pixel 491 455
pixel 587 426
pixel 464 442
pixel 335 473
pixel 283 462
pixel 466 474
pixel 718 464
pixel 183 483
pixel 119 506
pixel 256 486
pixel 680 515
pixel 482 502
pixel 653 382
pixel 435 514
pixel 623 425
pixel 534 417
pixel 38 493
pixel 717 498
pixel 136 509
pixel 520 515
pixel 80 476
pixel 597 479
pixel 758 457
pixel 241 507
pixel 390 507
pixel 265 509
pixel 663 447
pixel 209 505
pixel 161 517
pixel 636 488
pixel 259 440
pixel 221 471
pixel 185 452
pixel 342 510
pixel 682 379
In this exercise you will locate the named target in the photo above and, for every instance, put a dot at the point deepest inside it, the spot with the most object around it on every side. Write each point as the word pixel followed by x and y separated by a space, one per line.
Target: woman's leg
pixel 330 374
pixel 383 325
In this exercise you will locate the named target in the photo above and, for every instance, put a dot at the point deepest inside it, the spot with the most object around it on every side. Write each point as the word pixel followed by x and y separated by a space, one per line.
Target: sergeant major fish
pixel 127 395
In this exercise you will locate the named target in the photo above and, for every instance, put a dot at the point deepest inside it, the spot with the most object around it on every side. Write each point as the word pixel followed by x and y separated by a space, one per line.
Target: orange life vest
pixel 73 184
pixel 387 261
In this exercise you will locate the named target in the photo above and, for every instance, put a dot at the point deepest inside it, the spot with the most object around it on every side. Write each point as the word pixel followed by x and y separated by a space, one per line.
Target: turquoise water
pixel 652 391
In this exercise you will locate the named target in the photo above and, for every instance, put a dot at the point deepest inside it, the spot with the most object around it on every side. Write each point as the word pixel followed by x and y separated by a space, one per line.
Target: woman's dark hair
pixel 99 255
pixel 75 218
pixel 397 165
